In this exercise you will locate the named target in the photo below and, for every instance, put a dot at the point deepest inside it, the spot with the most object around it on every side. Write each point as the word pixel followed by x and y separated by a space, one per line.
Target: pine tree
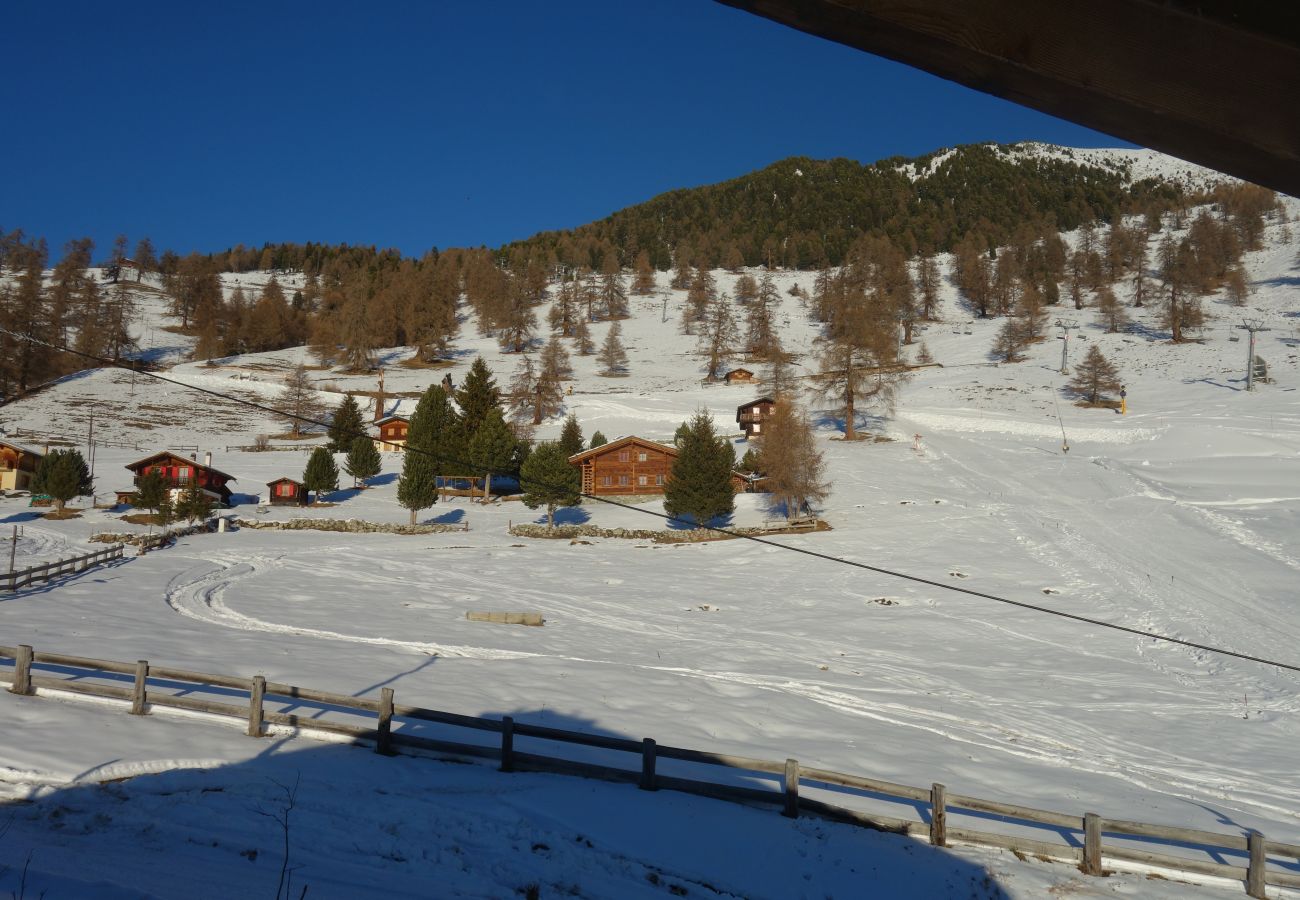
pixel 346 425
pixel 555 364
pixel 478 396
pixel 299 400
pixel 322 473
pixel 792 465
pixel 1010 341
pixel 746 289
pixel 150 491
pixel 597 440
pixel 535 394
pixel 63 474
pixel 547 479
pixel 417 487
pixel 700 484
pixel 927 285
pixel 492 448
pixel 861 348
pixel 613 296
pixel 613 357
pixel 362 461
pixel 1094 376
pixel 194 503
pixel 582 338
pixel 571 436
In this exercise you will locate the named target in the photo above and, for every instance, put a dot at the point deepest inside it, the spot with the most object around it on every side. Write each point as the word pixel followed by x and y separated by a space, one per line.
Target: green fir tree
pixel 571 435
pixel 700 485
pixel 549 480
pixel 597 440
pixel 346 425
pixel 362 461
pixel 478 395
pixel 322 473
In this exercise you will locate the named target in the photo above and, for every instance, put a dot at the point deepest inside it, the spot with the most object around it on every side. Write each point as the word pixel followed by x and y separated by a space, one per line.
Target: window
pixel 606 480
pixel 640 457
pixel 758 426
pixel 623 456
pixel 183 473
pixel 659 480
pixel 642 480
pixel 622 481
pixel 403 431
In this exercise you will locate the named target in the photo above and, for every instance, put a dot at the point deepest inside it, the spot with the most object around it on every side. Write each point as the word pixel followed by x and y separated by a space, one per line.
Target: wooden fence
pixel 389 727
pixel 23 577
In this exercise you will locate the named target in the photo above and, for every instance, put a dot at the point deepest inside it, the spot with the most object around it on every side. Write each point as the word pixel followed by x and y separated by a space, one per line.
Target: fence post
pixel 507 743
pixel 1255 874
pixel 1091 844
pixel 648 751
pixel 384 741
pixel 790 784
pixel 255 695
pixel 938 816
pixel 138 689
pixel 22 671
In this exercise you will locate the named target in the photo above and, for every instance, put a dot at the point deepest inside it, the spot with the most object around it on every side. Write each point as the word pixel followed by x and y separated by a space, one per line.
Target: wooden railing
pixel 392 728
pixel 23 577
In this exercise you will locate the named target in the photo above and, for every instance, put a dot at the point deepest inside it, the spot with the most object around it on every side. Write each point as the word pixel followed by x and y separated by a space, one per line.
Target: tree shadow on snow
pixel 566 515
pixel 450 517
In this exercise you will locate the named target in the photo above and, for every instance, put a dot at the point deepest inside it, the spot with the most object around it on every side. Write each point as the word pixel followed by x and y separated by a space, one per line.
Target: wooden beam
pixel 1207 90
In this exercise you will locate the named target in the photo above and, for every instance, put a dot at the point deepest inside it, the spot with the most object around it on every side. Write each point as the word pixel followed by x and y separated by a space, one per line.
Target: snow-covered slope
pixel 1181 517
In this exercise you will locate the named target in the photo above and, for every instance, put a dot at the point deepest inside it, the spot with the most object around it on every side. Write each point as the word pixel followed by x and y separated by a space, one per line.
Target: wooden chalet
pixel 392 433
pixel 632 465
pixel 739 376
pixel 751 416
pixel 17 466
pixel 178 472
pixel 286 492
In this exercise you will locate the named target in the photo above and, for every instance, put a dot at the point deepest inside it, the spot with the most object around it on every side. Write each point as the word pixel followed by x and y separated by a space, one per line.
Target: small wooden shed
pixel 392 434
pixel 286 492
pixel 739 376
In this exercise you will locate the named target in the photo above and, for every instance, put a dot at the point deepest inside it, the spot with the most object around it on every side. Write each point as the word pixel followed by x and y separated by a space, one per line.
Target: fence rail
pixel 23 577
pixel 389 728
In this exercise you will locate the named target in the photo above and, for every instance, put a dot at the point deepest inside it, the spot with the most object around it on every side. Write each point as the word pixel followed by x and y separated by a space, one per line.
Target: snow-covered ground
pixel 1180 517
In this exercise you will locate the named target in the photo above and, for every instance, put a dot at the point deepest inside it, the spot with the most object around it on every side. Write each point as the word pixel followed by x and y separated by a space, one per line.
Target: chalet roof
pixel 386 419
pixel 622 442
pixel 22 448
pixel 754 403
pixel 740 371
pixel 284 479
pixel 140 464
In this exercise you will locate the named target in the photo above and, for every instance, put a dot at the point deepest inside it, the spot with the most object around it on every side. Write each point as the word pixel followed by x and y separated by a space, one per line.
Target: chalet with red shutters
pixel 632 465
pixel 751 416
pixel 392 434
pixel 17 466
pixel 286 492
pixel 179 472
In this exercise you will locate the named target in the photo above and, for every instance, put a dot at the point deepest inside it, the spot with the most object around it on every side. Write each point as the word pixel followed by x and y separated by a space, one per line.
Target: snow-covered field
pixel 1180 517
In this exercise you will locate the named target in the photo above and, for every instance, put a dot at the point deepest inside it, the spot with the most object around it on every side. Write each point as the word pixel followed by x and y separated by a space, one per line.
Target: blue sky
pixel 419 124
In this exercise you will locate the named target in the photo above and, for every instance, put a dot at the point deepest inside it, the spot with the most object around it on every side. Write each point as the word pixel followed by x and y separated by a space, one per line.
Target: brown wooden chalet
pixel 751 416
pixel 392 434
pixel 632 465
pixel 178 472
pixel 286 492
pixel 739 376
pixel 17 466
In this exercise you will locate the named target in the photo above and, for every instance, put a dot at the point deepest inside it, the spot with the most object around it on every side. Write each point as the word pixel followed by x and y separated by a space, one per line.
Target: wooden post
pixel 384 742
pixel 507 744
pixel 22 671
pixel 1255 873
pixel 255 695
pixel 791 786
pixel 138 690
pixel 1091 844
pixel 648 751
pixel 938 816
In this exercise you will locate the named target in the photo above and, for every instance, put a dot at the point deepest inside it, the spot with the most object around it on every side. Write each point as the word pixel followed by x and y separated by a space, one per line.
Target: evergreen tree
pixel 322 473
pixel 150 491
pixel 417 487
pixel 63 475
pixel 436 429
pixel 700 485
pixel 166 510
pixel 1095 376
pixel 613 357
pixel 571 436
pixel 362 461
pixel 492 448
pixel 597 440
pixel 752 461
pixel 194 503
pixel 547 479
pixel 346 425
pixel 478 396
pixel 792 464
